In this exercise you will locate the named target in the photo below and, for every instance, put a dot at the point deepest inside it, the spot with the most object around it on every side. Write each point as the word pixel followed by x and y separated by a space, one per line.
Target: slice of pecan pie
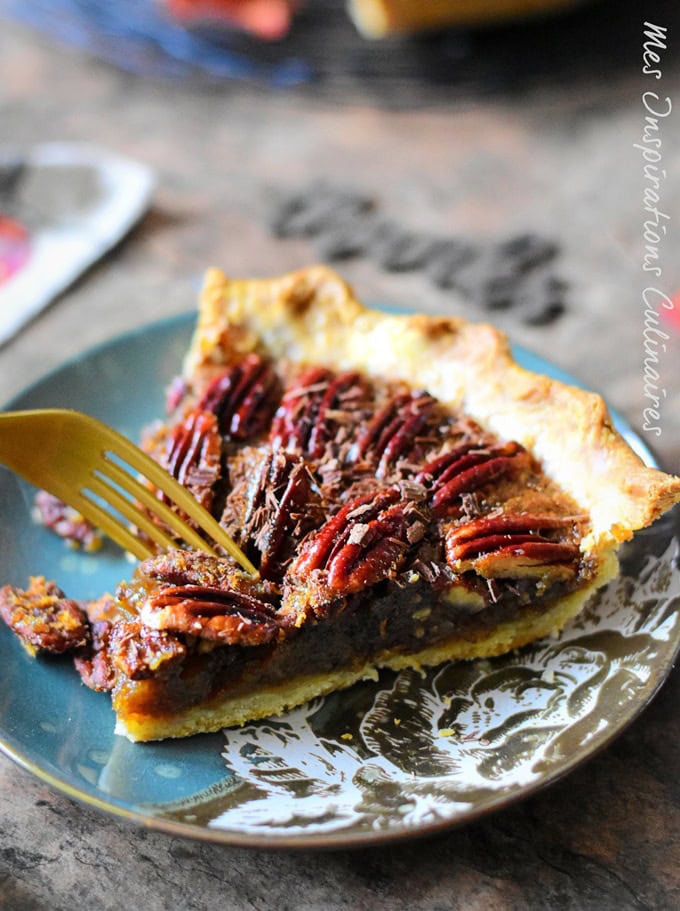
pixel 409 494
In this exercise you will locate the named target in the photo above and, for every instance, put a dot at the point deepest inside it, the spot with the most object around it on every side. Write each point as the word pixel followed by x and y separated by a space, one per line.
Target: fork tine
pixel 145 466
pixel 77 455
pixel 111 526
pixel 128 509
pixel 111 471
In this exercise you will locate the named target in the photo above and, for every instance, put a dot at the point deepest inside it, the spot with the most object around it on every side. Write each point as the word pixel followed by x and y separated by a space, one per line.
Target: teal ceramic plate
pixel 404 756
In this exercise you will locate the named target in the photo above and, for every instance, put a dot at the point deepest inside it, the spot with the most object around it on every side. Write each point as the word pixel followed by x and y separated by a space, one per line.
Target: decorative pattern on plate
pixel 413 751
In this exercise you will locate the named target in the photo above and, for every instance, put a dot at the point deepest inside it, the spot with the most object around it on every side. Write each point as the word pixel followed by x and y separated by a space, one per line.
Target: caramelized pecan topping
pixel 43 617
pixel 363 543
pixel 176 393
pixel 201 595
pixel 94 666
pixel 243 398
pixel 93 663
pixel 464 469
pixel 393 431
pixel 513 546
pixel 140 652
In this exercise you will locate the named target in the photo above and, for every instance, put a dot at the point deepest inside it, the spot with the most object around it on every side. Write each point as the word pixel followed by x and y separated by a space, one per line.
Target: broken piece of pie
pixel 409 494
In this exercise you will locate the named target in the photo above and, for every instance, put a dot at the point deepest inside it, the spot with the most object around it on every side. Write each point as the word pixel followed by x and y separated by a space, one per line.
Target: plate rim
pixel 340 839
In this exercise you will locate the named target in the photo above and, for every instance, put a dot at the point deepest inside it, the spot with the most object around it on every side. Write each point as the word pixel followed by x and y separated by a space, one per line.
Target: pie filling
pixel 388 528
pixel 364 634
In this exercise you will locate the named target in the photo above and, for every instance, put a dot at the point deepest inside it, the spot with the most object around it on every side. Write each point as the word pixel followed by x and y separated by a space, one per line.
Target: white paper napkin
pixel 76 202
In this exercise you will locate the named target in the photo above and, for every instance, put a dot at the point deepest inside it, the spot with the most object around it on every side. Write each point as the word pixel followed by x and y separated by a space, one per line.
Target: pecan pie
pixel 409 494
pixel 380 18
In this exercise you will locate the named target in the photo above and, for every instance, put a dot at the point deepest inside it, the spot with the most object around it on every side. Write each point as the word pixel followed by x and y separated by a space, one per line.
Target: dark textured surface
pixel 559 161
pixel 495 275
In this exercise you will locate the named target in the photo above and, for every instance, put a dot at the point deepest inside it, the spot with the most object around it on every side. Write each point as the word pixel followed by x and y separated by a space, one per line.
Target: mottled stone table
pixel 557 158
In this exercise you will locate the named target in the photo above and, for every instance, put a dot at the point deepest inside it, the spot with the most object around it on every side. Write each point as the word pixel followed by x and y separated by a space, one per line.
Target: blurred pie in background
pixel 378 18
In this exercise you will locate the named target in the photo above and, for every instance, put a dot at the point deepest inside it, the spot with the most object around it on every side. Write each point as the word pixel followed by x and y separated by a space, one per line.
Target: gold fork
pixel 87 465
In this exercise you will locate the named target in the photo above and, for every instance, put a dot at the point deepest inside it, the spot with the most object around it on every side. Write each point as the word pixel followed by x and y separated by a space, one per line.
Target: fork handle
pixel 33 452
pixel 18 449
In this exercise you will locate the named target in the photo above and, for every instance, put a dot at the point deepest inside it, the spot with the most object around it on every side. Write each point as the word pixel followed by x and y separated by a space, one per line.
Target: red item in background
pixel 15 247
pixel 671 315
pixel 267 19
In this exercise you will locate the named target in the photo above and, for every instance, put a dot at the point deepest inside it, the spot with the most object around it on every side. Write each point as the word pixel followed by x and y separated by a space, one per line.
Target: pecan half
pixel 194 454
pixel 140 652
pixel 93 662
pixel 393 431
pixel 337 409
pixel 514 546
pixel 194 568
pixel 218 614
pixel 43 617
pixel 243 398
pixel 464 469
pixel 94 666
pixel 363 543
pixel 318 412
pixel 296 415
